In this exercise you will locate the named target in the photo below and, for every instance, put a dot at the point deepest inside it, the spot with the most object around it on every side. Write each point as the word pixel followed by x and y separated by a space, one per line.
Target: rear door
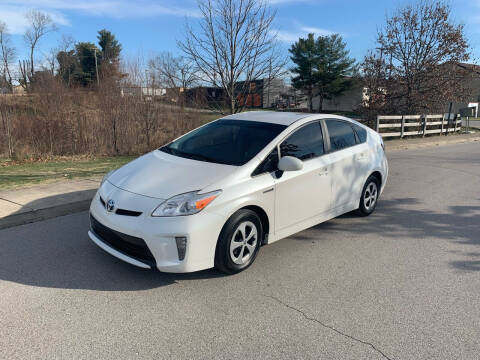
pixel 349 157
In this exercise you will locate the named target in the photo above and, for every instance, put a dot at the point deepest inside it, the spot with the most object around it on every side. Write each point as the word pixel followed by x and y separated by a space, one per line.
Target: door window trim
pixel 326 141
pixel 298 128
pixel 277 145
pixel 357 139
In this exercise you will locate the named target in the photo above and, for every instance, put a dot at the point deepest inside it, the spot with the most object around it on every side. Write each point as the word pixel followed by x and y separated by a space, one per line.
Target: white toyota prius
pixel 215 195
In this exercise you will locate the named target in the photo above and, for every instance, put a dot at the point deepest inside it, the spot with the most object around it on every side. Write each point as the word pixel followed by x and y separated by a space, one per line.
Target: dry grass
pixel 58 121
pixel 15 174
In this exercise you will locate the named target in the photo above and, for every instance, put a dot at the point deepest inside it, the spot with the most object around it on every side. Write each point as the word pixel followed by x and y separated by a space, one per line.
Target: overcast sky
pixel 147 27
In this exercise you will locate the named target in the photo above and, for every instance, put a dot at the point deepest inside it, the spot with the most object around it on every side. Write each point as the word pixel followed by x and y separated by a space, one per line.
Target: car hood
pixel 161 175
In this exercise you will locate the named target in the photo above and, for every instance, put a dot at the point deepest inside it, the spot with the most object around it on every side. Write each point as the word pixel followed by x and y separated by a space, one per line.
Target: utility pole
pixel 96 67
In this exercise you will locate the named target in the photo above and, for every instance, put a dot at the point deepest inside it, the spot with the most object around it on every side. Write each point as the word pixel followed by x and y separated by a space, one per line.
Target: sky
pixel 148 27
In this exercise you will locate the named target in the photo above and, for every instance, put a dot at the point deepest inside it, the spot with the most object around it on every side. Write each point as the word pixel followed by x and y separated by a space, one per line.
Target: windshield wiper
pixel 187 155
pixel 196 156
pixel 193 156
pixel 166 149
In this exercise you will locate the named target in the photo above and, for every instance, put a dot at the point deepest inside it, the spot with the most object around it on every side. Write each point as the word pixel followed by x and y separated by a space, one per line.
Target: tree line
pixel 411 69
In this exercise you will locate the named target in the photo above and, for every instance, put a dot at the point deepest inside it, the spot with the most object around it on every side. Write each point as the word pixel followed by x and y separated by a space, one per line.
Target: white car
pixel 215 195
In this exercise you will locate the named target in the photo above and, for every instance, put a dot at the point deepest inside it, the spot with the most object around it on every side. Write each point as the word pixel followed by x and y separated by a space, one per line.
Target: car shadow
pixel 404 218
pixel 57 253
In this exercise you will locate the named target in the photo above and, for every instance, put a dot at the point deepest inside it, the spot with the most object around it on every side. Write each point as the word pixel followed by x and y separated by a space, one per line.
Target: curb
pixel 44 214
pixel 83 205
pixel 441 142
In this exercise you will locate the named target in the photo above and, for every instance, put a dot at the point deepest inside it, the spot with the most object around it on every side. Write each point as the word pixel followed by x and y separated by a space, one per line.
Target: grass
pixel 25 173
pixel 21 174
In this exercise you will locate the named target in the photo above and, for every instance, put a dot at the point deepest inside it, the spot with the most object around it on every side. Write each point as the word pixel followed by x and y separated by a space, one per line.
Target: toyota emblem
pixel 110 205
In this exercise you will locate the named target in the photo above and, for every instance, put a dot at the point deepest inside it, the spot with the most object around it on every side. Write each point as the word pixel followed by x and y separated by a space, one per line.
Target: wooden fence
pixel 408 125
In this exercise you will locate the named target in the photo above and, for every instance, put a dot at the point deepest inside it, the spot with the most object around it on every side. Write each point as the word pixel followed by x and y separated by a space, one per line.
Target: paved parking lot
pixel 401 284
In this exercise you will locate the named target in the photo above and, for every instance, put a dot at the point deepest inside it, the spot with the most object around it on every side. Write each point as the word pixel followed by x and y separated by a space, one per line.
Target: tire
pixel 369 197
pixel 239 242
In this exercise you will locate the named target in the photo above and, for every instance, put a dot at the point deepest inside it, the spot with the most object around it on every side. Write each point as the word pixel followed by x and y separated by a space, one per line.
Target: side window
pixel 341 134
pixel 361 133
pixel 305 143
pixel 268 165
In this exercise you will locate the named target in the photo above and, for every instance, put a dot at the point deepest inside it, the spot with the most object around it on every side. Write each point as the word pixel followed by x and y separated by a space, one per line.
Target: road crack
pixel 330 327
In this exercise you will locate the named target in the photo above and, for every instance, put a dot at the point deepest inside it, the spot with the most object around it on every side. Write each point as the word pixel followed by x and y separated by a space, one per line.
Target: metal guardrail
pixel 410 125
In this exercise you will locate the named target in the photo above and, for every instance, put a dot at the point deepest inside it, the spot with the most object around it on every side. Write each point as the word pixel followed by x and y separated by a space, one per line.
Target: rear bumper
pixel 385 174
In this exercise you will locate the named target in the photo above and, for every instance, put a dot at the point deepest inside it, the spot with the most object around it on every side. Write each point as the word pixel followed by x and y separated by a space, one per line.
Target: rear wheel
pixel 239 242
pixel 368 200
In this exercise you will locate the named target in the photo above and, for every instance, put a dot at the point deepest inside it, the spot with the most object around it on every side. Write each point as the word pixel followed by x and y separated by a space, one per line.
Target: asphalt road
pixel 401 284
pixel 472 123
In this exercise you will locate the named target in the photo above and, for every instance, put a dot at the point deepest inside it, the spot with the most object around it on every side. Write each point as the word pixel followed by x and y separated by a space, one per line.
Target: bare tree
pixel 233 46
pixel 374 81
pixel 173 73
pixel 417 54
pixel 40 24
pixel 6 115
pixel 24 66
pixel 7 53
pixel 65 44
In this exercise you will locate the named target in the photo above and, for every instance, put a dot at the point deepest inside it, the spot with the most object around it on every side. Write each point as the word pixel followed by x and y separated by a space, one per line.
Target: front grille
pixel 122 211
pixel 127 212
pixel 129 245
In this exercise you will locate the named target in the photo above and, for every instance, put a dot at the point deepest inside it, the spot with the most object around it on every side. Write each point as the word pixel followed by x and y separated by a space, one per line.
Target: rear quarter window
pixel 361 133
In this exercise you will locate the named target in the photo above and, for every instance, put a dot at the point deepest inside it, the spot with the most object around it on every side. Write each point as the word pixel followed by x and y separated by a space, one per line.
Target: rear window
pixel 341 135
pixel 231 142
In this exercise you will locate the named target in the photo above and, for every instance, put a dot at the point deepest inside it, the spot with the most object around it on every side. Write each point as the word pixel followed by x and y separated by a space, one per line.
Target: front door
pixel 300 196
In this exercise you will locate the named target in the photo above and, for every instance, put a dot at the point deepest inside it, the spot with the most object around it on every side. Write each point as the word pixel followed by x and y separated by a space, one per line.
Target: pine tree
pixel 110 53
pixel 322 67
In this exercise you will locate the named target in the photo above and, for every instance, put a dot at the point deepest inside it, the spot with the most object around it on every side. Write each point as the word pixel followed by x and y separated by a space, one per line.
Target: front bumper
pixel 156 233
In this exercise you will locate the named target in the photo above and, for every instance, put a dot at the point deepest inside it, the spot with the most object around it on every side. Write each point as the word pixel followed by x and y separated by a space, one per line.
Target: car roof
pixel 283 118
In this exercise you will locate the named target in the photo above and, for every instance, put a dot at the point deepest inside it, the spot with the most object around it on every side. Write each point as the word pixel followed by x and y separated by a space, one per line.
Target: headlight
pixel 185 204
pixel 106 177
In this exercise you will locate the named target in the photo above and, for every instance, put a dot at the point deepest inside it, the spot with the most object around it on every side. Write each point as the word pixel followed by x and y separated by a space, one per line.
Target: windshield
pixel 231 142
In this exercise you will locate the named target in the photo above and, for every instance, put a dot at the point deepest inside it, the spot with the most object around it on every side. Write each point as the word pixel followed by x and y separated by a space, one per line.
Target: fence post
pixel 378 123
pixel 424 124
pixel 443 122
pixel 402 129
pixel 455 126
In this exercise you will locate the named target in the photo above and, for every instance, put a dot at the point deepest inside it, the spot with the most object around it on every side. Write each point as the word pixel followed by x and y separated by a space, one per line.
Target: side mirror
pixel 290 163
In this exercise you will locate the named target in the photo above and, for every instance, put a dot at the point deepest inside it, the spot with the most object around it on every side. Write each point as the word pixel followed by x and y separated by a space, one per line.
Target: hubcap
pixel 244 243
pixel 370 196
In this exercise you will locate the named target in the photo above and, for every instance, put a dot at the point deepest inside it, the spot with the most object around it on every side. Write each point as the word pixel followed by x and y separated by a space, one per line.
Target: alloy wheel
pixel 243 243
pixel 370 196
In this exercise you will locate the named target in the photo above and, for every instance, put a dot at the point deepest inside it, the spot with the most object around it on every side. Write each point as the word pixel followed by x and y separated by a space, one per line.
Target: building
pixel 471 80
pixel 18 90
pixel 142 91
pixel 349 101
pixel 207 96
pixel 262 93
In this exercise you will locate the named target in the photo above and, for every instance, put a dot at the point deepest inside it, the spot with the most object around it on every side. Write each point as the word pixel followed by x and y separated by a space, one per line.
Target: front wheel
pixel 368 200
pixel 239 242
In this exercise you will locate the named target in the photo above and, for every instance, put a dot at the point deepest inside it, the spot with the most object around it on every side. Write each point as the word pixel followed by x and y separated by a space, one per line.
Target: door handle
pixel 323 172
pixel 362 156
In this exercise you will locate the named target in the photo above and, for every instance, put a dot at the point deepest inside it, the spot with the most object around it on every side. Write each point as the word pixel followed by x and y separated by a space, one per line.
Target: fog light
pixel 181 246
